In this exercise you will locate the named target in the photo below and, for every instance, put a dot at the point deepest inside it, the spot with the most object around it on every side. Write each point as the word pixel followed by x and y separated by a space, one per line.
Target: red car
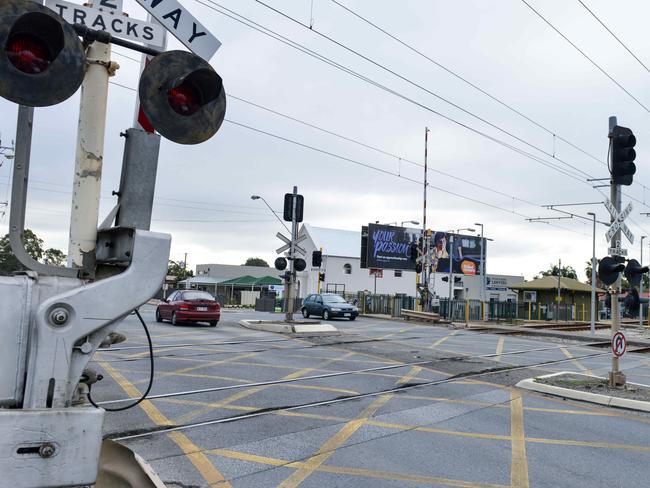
pixel 189 306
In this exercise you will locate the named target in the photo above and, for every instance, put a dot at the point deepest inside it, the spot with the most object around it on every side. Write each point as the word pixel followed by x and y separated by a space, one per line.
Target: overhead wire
pixel 600 68
pixel 417 85
pixel 283 39
pixel 466 81
pixel 613 35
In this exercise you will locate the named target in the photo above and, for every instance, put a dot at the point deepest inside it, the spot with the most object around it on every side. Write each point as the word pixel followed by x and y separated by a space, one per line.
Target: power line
pixel 274 35
pixel 466 81
pixel 613 35
pixel 602 70
pixel 417 85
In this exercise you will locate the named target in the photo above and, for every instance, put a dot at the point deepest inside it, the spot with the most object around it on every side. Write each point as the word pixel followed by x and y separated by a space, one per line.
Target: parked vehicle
pixel 189 306
pixel 328 305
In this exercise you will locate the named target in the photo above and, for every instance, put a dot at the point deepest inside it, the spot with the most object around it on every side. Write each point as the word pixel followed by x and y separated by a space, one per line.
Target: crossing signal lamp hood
pixel 42 60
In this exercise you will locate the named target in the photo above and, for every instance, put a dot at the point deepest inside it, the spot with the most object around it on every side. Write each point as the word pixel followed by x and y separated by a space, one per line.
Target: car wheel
pixel 158 317
pixel 213 323
pixel 174 321
pixel 305 313
pixel 352 318
pixel 326 314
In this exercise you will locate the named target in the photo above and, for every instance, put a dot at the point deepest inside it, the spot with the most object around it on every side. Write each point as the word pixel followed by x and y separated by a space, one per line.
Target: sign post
pixel 616 377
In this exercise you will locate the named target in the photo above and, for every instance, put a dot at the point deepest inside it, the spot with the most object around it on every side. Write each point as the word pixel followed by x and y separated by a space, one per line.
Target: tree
pixel 8 260
pixel 54 257
pixel 565 271
pixel 34 247
pixel 256 262
pixel 175 269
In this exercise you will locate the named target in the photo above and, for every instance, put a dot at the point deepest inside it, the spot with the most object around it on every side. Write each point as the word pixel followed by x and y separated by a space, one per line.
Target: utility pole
pixel 616 377
pixel 482 273
pixel 89 158
pixel 557 307
pixel 593 277
pixel 425 241
pixel 451 275
pixel 641 285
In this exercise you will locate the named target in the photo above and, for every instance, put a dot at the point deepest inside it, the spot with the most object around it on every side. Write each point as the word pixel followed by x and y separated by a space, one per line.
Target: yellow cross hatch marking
pixel 519 463
pixel 200 461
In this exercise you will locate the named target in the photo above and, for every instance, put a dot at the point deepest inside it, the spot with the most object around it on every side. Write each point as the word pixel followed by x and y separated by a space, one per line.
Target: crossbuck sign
pixel 618 223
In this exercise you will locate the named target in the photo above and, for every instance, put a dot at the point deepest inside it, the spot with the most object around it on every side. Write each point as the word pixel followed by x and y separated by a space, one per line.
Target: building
pixel 542 294
pixel 343 273
pixel 235 284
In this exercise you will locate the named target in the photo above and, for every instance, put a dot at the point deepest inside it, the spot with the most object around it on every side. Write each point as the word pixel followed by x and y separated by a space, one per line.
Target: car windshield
pixel 197 295
pixel 333 299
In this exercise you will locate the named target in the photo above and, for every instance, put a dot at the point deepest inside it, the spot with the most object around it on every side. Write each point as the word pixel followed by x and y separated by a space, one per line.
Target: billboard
pixel 388 247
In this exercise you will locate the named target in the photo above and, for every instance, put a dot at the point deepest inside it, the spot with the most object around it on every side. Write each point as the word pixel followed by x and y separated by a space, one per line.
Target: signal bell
pixel 183 97
pixel 42 60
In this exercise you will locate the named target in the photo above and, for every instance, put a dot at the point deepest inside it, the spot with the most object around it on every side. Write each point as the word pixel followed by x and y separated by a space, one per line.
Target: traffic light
pixel 183 97
pixel 418 268
pixel 287 213
pixel 413 252
pixel 299 264
pixel 623 154
pixel 280 264
pixel 609 268
pixel 321 276
pixel 632 303
pixel 316 259
pixel 633 272
pixel 42 60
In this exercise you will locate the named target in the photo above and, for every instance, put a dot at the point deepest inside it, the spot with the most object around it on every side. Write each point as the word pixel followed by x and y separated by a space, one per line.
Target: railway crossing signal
pixel 609 269
pixel 42 60
pixel 634 272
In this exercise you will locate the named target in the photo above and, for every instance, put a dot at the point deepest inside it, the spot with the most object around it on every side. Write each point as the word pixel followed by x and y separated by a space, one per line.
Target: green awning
pixel 246 280
pixel 268 280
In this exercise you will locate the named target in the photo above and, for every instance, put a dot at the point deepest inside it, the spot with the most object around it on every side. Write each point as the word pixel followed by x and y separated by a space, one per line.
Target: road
pixel 379 404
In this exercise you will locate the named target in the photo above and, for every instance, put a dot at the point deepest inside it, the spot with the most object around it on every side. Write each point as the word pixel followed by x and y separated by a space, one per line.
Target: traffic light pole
pixel 89 158
pixel 616 377
pixel 291 288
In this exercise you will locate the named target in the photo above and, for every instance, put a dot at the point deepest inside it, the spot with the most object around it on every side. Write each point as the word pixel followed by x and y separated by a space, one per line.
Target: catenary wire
pixel 601 69
pixel 466 81
pixel 274 35
pixel 613 35
pixel 419 86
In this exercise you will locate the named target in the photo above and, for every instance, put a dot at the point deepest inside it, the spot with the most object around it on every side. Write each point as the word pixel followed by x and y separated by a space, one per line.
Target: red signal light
pixel 185 99
pixel 28 54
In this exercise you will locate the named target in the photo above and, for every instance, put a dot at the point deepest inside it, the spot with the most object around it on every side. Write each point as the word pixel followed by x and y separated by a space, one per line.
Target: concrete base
pixel 610 401
pixel 287 328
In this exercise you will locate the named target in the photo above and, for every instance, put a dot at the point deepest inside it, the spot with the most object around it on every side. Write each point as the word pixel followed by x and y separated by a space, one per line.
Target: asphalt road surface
pixel 379 404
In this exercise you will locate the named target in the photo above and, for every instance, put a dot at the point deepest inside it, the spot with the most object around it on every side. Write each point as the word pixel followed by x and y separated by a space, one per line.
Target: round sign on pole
pixel 619 344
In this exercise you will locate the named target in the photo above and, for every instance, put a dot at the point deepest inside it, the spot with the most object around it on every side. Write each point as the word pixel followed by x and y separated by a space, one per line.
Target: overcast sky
pixel 203 192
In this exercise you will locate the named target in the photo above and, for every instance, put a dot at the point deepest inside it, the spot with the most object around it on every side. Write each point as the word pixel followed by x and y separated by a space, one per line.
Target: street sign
pixel 619 344
pixel 116 25
pixel 184 27
pixel 616 251
pixel 618 223
pixel 378 273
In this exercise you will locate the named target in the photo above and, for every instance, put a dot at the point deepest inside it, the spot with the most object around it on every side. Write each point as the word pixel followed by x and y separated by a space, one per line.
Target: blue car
pixel 327 306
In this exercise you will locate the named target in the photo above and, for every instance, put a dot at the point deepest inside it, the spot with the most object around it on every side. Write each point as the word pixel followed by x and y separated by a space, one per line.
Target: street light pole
pixel 593 276
pixel 257 197
pixel 482 273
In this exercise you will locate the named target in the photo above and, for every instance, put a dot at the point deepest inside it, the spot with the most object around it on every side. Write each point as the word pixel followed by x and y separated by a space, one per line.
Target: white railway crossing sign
pixel 619 221
pixel 183 25
pixel 287 244
pixel 104 19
